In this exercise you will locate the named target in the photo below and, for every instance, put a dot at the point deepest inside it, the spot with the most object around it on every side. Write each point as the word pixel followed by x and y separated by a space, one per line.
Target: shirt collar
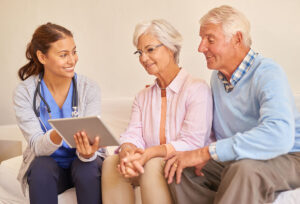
pixel 177 82
pixel 240 71
pixel 243 67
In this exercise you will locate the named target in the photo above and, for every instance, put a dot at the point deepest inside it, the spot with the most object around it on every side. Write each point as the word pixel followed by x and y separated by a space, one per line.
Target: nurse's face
pixel 61 58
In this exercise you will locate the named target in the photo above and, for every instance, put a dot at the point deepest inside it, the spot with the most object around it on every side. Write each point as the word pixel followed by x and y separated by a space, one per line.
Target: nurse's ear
pixel 41 57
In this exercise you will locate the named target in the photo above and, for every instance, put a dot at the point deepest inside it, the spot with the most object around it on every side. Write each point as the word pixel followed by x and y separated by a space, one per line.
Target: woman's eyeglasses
pixel 148 51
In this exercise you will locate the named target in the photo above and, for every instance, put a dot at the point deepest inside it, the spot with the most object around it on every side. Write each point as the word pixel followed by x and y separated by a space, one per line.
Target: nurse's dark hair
pixel 41 40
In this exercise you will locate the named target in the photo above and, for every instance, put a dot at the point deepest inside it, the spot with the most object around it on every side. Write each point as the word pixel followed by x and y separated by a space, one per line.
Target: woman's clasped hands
pixel 132 161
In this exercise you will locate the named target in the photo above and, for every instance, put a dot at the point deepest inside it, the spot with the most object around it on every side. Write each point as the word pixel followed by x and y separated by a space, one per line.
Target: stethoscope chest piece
pixel 75 112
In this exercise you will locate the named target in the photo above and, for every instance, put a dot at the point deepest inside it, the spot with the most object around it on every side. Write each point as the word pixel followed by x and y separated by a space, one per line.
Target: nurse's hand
pixel 83 145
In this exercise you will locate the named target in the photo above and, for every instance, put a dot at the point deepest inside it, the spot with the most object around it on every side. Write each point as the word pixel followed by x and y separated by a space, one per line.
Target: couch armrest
pixel 9 149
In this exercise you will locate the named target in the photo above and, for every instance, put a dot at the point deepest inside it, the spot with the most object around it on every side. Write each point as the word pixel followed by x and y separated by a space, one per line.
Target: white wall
pixel 103 33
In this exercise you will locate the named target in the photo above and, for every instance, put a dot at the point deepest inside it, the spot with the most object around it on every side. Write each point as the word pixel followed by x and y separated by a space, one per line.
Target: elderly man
pixel 256 124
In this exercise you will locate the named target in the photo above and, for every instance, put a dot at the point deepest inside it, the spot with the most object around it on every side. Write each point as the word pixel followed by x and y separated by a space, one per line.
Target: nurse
pixel 51 89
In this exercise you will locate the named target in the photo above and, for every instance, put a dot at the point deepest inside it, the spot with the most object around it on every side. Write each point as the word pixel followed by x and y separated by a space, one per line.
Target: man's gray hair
pixel 163 31
pixel 231 20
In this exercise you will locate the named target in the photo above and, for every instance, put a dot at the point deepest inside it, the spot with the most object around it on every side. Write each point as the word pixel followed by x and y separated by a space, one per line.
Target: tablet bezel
pixel 92 125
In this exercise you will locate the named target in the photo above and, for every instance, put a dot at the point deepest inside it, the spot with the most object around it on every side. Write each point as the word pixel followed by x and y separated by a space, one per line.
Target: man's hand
pixel 181 160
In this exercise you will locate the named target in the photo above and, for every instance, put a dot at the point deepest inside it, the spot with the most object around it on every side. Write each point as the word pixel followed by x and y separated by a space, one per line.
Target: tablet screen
pixel 92 125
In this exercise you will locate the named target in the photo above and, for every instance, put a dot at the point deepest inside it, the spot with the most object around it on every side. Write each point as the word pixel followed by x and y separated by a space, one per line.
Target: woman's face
pixel 61 58
pixel 153 55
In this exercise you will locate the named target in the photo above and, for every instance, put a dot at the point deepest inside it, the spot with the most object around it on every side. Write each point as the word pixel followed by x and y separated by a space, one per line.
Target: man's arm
pixel 274 135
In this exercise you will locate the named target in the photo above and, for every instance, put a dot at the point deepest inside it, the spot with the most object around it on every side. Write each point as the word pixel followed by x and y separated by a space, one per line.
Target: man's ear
pixel 41 57
pixel 238 38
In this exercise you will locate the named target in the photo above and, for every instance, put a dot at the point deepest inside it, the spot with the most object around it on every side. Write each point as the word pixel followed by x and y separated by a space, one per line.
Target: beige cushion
pixel 9 149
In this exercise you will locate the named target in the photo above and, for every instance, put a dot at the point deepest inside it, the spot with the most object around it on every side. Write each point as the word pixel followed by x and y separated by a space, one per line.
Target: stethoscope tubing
pixel 38 92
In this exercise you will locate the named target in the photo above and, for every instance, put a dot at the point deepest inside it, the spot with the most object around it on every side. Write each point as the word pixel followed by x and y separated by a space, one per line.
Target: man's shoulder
pixel 264 64
pixel 269 76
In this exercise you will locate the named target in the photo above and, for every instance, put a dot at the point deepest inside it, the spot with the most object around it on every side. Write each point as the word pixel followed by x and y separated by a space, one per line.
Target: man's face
pixel 218 50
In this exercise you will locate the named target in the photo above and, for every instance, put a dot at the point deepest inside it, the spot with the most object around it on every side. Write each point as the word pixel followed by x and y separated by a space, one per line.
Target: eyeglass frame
pixel 147 52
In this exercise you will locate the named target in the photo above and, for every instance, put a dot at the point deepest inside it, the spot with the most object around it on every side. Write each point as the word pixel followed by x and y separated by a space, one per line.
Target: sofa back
pixel 114 112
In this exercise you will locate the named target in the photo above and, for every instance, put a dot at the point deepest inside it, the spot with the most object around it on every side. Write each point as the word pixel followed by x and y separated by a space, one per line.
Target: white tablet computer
pixel 92 125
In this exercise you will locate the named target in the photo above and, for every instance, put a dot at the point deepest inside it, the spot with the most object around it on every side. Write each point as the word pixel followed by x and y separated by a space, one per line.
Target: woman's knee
pixel 111 178
pixel 154 172
pixel 113 183
pixel 111 160
pixel 155 166
pixel 43 168
pixel 86 170
pixel 154 176
pixel 110 164
pixel 109 169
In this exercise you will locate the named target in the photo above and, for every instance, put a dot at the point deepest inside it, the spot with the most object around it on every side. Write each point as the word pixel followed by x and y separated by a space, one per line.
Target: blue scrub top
pixel 64 155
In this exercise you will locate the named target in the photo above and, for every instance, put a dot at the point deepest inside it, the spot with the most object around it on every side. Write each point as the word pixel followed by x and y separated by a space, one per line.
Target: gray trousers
pixel 243 182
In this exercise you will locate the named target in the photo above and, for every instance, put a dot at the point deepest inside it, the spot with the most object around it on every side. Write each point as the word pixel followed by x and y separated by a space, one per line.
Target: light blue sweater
pixel 258 119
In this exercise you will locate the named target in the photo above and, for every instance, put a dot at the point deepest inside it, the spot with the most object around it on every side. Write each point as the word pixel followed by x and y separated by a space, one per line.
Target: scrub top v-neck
pixel 64 155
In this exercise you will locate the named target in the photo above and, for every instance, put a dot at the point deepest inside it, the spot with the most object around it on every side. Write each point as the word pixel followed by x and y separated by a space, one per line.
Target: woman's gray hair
pixel 232 21
pixel 163 31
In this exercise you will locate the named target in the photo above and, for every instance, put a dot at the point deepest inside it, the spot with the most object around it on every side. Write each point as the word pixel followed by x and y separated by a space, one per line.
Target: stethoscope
pixel 38 92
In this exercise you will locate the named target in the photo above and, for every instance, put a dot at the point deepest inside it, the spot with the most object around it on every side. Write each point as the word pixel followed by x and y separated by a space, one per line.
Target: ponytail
pixel 33 67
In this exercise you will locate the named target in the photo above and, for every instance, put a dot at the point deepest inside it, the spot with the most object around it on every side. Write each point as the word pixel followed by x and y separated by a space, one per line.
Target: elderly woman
pixel 173 114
